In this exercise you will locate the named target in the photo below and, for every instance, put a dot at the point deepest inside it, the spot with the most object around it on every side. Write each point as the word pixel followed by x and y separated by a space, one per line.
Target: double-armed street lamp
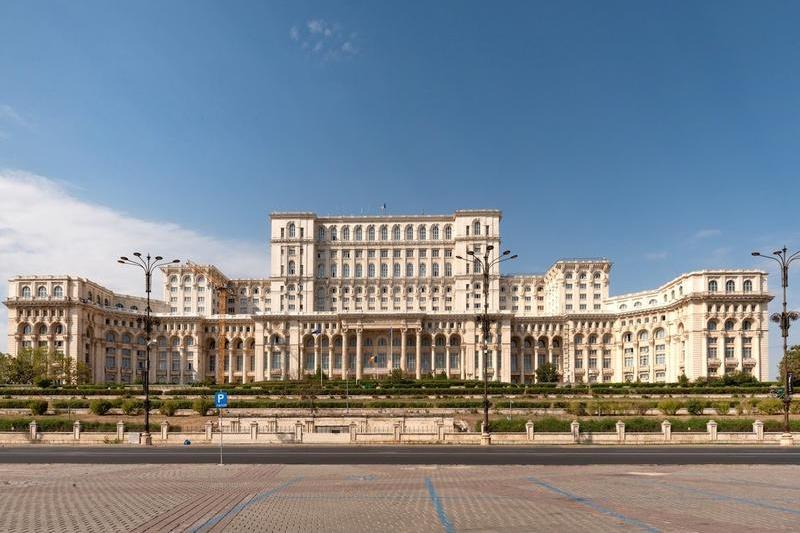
pixel 148 264
pixel 784 319
pixel 486 264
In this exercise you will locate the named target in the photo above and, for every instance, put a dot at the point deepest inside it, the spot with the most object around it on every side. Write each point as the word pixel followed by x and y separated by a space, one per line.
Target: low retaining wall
pixel 359 432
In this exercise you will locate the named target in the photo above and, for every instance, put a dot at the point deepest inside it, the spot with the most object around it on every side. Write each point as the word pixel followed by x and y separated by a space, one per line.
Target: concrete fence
pixel 359 431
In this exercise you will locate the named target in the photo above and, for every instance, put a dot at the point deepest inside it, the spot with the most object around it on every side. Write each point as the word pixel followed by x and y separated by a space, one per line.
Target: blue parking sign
pixel 220 399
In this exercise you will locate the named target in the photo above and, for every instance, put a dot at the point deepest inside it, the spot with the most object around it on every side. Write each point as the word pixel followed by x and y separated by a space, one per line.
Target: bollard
pixel 209 430
pixel 758 429
pixel 486 437
pixel 298 432
pixel 712 430
pixel 666 429
pixel 253 430
pixel 529 429
pixel 120 430
pixel 33 430
pixel 76 430
pixel 575 429
pixel 620 431
pixel 164 429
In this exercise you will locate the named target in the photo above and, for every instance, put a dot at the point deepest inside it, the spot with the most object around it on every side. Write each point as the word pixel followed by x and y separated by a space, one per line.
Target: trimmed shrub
pixel 202 405
pixel 99 407
pixel 38 407
pixel 695 407
pixel 669 407
pixel 722 407
pixel 770 406
pixel 576 408
pixel 132 407
pixel 43 382
pixel 168 408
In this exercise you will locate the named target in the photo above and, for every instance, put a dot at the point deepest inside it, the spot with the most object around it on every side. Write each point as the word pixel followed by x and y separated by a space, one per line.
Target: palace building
pixel 361 296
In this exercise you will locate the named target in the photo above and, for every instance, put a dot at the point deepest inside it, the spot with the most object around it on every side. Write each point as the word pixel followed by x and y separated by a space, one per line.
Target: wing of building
pixel 361 296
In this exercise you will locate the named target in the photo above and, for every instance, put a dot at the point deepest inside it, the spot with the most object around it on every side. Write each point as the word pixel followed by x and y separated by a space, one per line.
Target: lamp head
pixel 176 260
pixel 120 261
pixel 459 257
pixel 137 254
pixel 777 252
pixel 754 254
pixel 470 252
pixel 506 252
pixel 489 248
pixel 513 256
pixel 159 258
pixel 123 258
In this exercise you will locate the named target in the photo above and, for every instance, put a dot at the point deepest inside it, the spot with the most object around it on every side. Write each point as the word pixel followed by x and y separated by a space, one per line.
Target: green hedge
pixel 66 425
pixel 633 425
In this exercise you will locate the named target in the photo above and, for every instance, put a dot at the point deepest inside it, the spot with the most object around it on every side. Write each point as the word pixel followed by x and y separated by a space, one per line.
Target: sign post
pixel 220 402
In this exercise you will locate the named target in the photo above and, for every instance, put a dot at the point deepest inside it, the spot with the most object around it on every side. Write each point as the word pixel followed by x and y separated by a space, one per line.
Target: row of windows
pixel 42 329
pixel 730 286
pixel 41 292
pixel 372 233
pixel 384 270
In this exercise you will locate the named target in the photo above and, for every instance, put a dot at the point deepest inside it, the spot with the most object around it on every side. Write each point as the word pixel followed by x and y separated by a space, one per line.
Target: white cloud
pixel 44 229
pixel 656 256
pixel 325 40
pixel 706 233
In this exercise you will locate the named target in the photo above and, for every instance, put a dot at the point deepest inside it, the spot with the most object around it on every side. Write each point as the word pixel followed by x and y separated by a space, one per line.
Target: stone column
pixel 317 360
pixel 229 355
pixel 529 430
pixel 182 378
pixel 462 359
pixel 259 367
pixel 164 430
pixel 33 428
pixel 120 430
pixel 345 355
pixel 620 431
pixel 298 432
pixel 209 427
pixel 666 429
pixel 268 350
pixel 418 355
pixel 575 429
pixel 447 360
pixel 253 430
pixel 76 430
pixel 711 426
pixel 330 357
pixel 245 358
pixel 758 429
pixel 403 362
pixel 359 362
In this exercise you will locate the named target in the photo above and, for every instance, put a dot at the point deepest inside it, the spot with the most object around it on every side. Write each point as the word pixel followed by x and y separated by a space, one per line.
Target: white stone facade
pixel 361 296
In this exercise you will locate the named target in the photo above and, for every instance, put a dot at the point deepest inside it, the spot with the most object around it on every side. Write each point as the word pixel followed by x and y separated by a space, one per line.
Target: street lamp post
pixel 148 264
pixel 784 318
pixel 486 265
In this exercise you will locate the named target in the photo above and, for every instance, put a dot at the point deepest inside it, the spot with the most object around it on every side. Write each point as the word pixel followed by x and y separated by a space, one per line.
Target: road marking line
pixel 437 504
pixel 210 523
pixel 595 506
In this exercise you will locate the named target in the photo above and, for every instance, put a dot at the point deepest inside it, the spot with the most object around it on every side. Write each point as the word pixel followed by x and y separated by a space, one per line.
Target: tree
pixel 62 368
pixel 547 373
pixel 28 366
pixel 793 357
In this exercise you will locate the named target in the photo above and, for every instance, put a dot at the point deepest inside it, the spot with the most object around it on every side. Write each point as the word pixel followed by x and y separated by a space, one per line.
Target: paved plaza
pixel 104 498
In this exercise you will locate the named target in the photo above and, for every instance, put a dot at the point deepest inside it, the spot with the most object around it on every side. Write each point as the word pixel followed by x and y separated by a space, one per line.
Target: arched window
pixel 729 325
pixel 578 339
pixel 290 229
pixel 187 279
pixel 396 270
pixel 448 232
pixel 370 270
pixel 41 292
pixel 396 233
pixel 409 233
pixel 643 336
pixel 712 325
pixel 384 270
pixel 333 270
pixel 597 275
pixel 42 330
pixel 26 329
pixel 659 333
pixel 320 270
pixel 476 227
pixel 346 233
pixel 730 286
pixel 345 271
pixel 201 280
pixel 423 233
pixel 371 233
pixel 747 325
pixel 58 291
pixel 384 233
pixel 748 286
pixel 622 307
pixel 627 336
pixel 26 292
pixel 712 286
pixel 422 270
pixel 435 270
pixel 409 270
pixel 592 339
pixel 653 301
pixel 435 232
pixel 110 337
pixel 333 233
pixel 359 271
pixel 606 339
pixel 291 268
pixel 357 234
pixel 126 338
pixel 58 329
pixel 321 233
pixel 448 269
pixel 477 267
pixel 637 304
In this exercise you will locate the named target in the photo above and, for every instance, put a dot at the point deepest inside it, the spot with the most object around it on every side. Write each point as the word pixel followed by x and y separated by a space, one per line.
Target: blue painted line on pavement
pixel 240 507
pixel 437 504
pixel 724 497
pixel 595 506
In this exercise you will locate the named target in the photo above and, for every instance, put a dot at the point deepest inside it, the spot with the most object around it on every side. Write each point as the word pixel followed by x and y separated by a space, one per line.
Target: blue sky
pixel 663 135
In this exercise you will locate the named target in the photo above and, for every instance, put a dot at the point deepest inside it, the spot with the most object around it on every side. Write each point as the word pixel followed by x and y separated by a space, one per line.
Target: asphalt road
pixel 405 455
